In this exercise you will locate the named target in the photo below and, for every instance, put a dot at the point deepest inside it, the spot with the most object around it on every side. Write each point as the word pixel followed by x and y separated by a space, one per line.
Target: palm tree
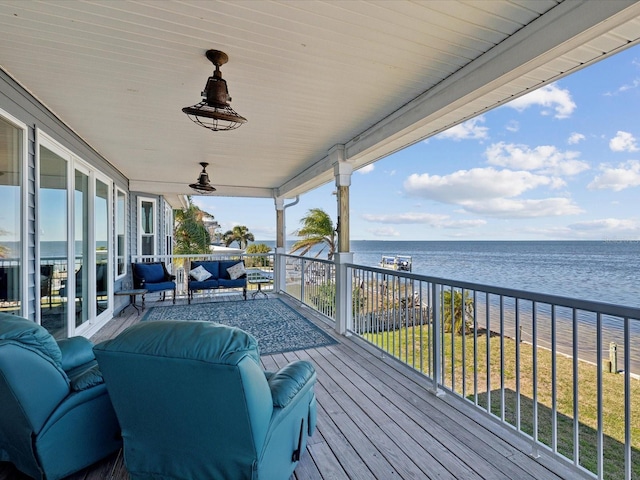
pixel 191 234
pixel 317 228
pixel 240 234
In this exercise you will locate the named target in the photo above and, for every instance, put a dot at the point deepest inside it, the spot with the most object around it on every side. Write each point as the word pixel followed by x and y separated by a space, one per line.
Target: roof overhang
pixel 374 77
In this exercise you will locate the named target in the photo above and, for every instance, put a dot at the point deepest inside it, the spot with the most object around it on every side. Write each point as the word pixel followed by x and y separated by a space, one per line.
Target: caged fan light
pixel 214 111
pixel 203 186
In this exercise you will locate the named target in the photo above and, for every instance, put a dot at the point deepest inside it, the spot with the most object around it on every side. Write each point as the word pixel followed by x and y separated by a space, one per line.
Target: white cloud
pixel 607 227
pixel 477 184
pixel 623 142
pixel 513 126
pixel 366 169
pixel 431 219
pixel 625 175
pixel 404 218
pixel 545 159
pixel 575 138
pixel 550 97
pixel 384 232
pixel 521 208
pixel 469 130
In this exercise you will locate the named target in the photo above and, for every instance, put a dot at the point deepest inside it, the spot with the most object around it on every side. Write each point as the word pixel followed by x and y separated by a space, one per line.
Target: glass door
pixel 82 266
pixel 53 239
pixel 101 241
pixel 11 245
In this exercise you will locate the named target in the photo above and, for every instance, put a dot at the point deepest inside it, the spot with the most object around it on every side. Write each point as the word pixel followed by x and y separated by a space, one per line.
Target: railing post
pixel 436 345
pixel 280 269
pixel 344 301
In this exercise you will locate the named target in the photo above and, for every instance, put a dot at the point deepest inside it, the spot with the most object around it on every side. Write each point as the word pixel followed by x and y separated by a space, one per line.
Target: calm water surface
pixel 606 271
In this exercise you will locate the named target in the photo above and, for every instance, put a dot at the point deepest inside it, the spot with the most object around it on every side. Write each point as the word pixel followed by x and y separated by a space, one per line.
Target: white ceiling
pixel 374 75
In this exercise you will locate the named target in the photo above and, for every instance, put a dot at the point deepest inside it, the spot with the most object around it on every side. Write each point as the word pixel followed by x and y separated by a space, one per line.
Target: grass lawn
pixel 411 346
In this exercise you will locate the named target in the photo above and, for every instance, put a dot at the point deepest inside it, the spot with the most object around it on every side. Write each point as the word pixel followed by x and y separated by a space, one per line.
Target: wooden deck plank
pixel 482 448
pixel 377 420
pixel 401 425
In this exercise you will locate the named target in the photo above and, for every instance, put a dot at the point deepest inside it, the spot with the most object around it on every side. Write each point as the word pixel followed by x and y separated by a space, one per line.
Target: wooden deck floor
pixel 377 420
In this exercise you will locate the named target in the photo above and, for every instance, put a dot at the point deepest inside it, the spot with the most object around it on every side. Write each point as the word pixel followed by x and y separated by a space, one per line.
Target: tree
pixel 317 229
pixel 190 233
pixel 462 311
pixel 240 234
pixel 261 261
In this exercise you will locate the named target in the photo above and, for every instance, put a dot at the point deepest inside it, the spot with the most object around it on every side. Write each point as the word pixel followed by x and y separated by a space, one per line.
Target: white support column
pixel 342 171
pixel 279 267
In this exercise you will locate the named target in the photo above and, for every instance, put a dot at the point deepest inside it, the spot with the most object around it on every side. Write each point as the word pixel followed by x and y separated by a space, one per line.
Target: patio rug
pixel 276 326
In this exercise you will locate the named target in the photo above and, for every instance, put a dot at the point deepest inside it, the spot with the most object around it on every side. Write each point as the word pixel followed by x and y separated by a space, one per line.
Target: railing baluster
pixel 534 334
pixel 554 391
pixel 518 341
pixel 488 349
pixel 502 398
pixel 576 392
pixel 599 394
pixel 627 399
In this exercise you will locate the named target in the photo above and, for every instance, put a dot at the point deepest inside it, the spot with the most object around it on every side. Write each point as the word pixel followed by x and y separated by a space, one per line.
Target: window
pixel 11 244
pixel 121 233
pixel 147 232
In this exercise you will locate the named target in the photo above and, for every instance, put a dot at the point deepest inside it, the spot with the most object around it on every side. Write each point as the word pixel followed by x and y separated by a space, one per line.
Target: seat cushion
pixel 30 334
pixel 150 272
pixel 240 282
pixel 159 287
pixel 207 284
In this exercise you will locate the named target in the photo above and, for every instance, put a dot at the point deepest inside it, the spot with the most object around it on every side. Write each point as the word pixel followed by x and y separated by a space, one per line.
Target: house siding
pixel 18 102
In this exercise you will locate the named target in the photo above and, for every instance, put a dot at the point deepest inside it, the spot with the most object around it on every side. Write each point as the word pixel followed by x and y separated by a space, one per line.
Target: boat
pixel 400 263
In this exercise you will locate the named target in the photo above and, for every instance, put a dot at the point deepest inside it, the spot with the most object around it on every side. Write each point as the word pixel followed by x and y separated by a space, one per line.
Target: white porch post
pixel 280 264
pixel 342 171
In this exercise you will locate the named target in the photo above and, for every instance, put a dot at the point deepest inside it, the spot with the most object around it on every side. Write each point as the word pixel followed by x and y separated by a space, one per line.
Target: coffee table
pixel 132 292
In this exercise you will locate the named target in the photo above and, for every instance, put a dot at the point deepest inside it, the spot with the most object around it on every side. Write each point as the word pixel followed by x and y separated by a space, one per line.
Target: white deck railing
pixel 537 363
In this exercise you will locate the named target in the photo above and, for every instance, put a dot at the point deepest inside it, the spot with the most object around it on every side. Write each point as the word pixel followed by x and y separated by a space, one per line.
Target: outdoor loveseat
pixel 214 274
pixel 56 416
pixel 194 403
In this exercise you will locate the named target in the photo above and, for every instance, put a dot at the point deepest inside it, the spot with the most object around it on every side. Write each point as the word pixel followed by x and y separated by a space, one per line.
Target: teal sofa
pixel 56 416
pixel 220 277
pixel 194 403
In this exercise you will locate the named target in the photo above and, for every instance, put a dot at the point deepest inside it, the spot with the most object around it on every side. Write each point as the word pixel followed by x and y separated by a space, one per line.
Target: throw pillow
pixel 236 271
pixel 200 273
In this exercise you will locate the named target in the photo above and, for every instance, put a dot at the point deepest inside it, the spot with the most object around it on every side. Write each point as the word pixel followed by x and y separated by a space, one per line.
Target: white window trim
pixel 116 276
pixel 155 224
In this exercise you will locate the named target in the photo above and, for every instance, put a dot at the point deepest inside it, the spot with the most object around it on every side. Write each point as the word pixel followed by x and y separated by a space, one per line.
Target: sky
pixel 560 163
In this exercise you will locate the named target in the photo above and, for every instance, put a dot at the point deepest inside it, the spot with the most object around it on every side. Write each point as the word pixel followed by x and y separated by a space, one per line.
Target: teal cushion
pixel 193 340
pixel 30 334
pixel 87 379
pixel 288 381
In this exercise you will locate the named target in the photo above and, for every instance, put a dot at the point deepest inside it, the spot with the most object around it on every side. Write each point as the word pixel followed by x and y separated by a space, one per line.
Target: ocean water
pixel 605 271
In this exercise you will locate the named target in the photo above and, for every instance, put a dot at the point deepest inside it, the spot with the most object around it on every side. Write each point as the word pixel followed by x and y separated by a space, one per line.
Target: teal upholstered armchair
pixel 56 417
pixel 194 403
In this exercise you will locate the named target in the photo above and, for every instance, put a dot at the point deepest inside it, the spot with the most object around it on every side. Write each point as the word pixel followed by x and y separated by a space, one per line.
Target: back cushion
pixel 31 335
pixel 209 266
pixel 151 272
